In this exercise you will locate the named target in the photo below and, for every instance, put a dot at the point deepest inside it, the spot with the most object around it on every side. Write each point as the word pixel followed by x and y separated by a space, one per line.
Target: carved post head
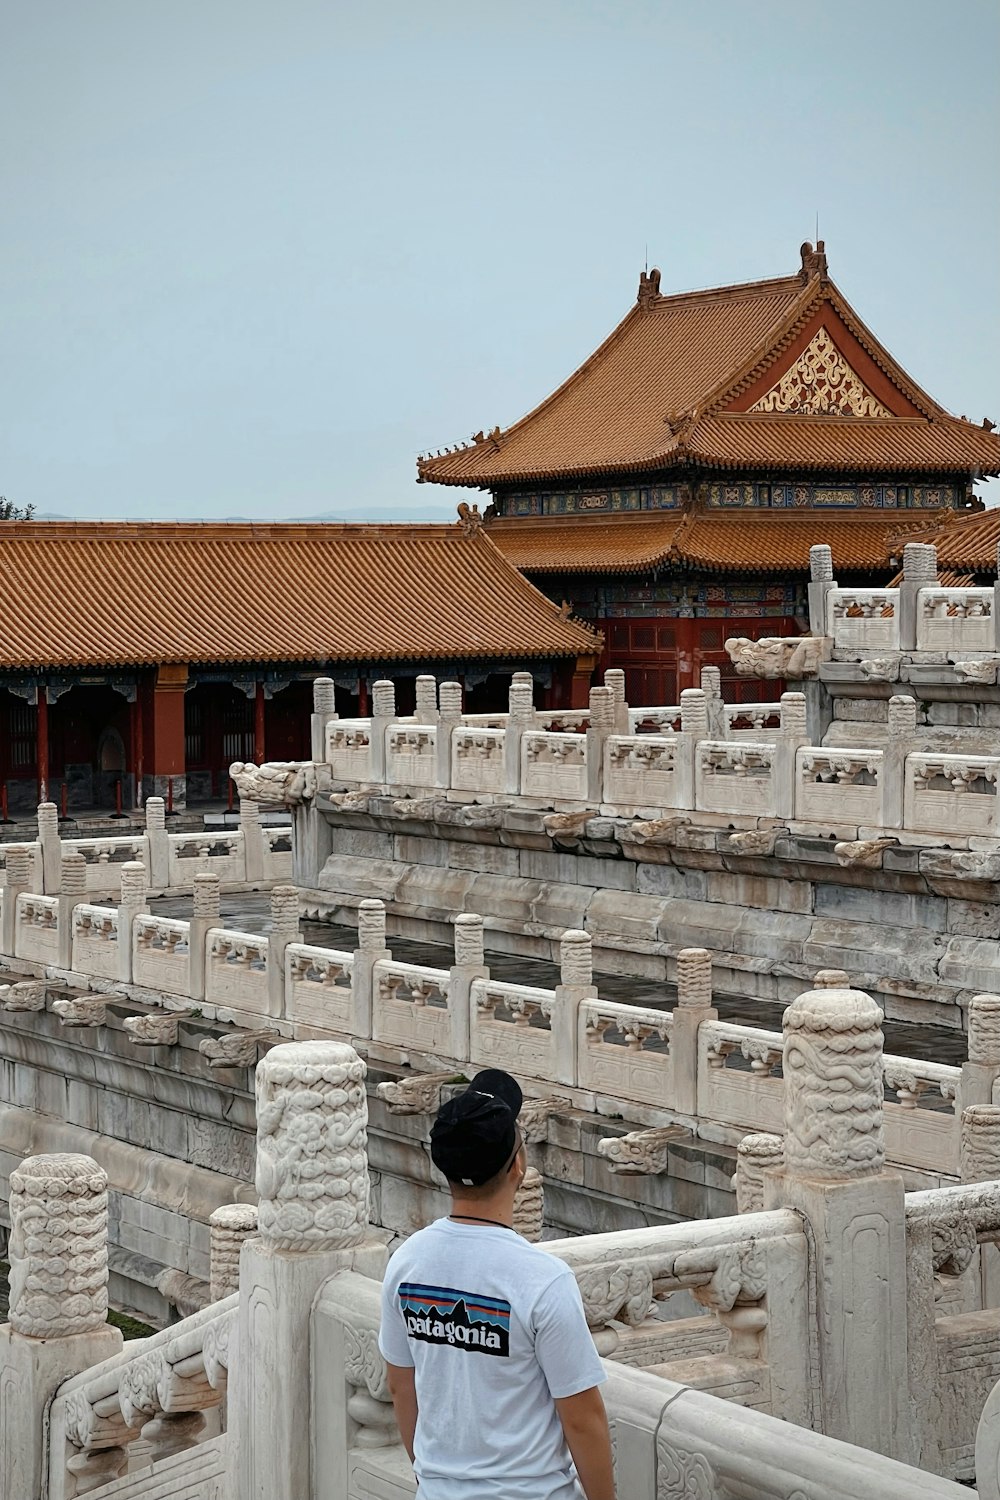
pixel 694 978
pixel 134 883
pixel 426 699
pixel 469 951
pixel 58 1246
pixel 833 1085
pixel 48 820
pixel 249 814
pixel 18 867
pixel 755 1155
pixel 919 563
pixel 711 682
pixel 529 1206
pixel 793 714
pixel 312 1160
pixel 980 1150
pixel 614 678
pixel 371 925
pixel 73 874
pixel 156 815
pixel 576 958
pixel 384 699
pixel 207 904
pixel 832 979
pixel 285 908
pixel 324 695
pixel 902 717
pixel 228 1227
pixel 694 713
pixel 820 563
pixel 521 698
pixel 602 708
pixel 450 700
pixel 984 1029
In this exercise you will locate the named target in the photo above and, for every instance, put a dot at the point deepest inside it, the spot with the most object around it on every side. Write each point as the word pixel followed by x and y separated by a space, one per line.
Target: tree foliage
pixel 11 512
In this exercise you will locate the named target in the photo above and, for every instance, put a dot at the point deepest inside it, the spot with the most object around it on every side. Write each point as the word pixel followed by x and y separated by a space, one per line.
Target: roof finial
pixel 649 288
pixel 469 518
pixel 813 261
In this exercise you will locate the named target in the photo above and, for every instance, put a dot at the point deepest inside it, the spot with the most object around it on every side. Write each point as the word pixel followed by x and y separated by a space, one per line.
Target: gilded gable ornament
pixel 821 383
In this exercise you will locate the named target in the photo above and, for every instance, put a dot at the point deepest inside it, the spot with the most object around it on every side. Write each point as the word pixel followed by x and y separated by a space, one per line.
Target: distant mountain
pixel 422 510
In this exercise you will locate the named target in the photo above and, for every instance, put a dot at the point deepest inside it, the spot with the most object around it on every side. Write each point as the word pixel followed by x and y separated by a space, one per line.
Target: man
pixel 492 1370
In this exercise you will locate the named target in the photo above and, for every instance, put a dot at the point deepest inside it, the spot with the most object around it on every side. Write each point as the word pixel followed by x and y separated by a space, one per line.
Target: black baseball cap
pixel 475 1133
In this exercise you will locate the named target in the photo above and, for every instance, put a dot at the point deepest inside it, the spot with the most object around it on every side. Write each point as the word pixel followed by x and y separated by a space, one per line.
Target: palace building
pixel 147 657
pixel 670 489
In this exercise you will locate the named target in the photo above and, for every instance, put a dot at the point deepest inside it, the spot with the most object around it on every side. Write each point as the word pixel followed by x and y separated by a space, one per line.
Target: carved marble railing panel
pixel 739 1076
pixel 672 1442
pixel 734 778
pixel 511 1028
pixel 161 954
pixel 95 941
pixel 37 935
pixel 105 858
pixel 624 1051
pixel 208 853
pixel 157 1389
pixel 838 786
pixel 921 1128
pixel 277 842
pixel 410 1007
pixel 35 866
pixel 236 970
pixel 955 620
pixel 952 794
pixel 477 759
pixel 563 720
pixel 759 722
pixel 318 986
pixel 486 721
pixel 554 766
pixel 200 1473
pixel 411 755
pixel 640 771
pixel 349 749
pixel 666 720
pixel 863 617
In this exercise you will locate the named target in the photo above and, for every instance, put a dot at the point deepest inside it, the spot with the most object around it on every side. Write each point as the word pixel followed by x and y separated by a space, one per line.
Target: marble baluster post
pixel 72 892
pixel 576 984
pixel 520 716
pixel 602 725
pixel 383 714
pixel 284 930
pixel 919 572
pixel 614 678
pixel 18 879
pixel 821 581
pixel 711 686
pixel 206 913
pixel 58 1311
pixel 312 1178
pixel 229 1227
pixel 693 1006
pixel 324 712
pixel 425 709
pixel 900 740
pixel 755 1155
pixel 469 965
pixel 835 1176
pixel 980 1162
pixel 158 843
pixel 133 903
pixel 449 718
pixel 253 841
pixel 371 950
pixel 694 729
pixel 51 847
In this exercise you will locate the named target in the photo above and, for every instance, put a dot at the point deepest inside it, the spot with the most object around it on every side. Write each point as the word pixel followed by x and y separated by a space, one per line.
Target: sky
pixel 254 257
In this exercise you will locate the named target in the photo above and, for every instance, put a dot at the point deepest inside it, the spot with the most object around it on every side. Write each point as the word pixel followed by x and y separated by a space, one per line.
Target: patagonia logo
pixel 442 1315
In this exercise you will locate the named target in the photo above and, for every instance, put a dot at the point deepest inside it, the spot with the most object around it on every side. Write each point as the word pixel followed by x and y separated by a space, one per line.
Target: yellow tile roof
pixel 109 594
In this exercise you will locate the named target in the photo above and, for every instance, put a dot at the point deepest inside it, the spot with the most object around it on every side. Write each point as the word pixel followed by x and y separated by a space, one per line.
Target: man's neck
pixel 487 1211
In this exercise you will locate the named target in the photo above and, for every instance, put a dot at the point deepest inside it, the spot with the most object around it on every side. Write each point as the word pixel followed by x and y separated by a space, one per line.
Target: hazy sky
pixel 255 256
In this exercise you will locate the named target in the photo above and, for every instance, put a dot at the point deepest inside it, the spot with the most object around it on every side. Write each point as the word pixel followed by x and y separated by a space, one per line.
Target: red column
pixel 687 653
pixel 42 745
pixel 362 698
pixel 258 724
pixel 167 749
pixel 579 688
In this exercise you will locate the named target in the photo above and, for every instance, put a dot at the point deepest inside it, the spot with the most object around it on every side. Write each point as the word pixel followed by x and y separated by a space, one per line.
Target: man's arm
pixel 403 1390
pixel 585 1425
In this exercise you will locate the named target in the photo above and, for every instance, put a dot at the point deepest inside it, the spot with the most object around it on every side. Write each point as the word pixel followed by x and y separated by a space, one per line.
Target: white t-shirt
pixel 495 1332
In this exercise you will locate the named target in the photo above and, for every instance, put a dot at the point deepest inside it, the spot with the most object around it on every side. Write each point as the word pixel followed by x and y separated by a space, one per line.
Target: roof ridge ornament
pixel 649 288
pixel 813 261
pixel 469 519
